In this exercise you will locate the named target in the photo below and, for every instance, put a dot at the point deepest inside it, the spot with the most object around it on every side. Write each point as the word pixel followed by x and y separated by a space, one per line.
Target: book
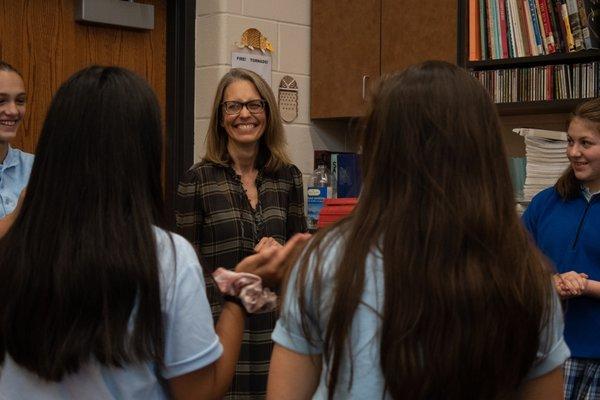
pixel 525 33
pixel 503 28
pixel 592 22
pixel 547 26
pixel 542 133
pixel 348 175
pixel 536 26
pixel 474 36
pixel 531 32
pixel 564 12
pixel 575 24
pixel 483 31
pixel 560 25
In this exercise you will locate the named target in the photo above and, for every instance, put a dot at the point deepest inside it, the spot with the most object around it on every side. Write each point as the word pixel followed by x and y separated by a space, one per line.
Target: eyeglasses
pixel 235 107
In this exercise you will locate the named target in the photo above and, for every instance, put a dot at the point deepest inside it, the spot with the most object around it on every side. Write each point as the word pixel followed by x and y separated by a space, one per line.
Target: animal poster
pixel 259 63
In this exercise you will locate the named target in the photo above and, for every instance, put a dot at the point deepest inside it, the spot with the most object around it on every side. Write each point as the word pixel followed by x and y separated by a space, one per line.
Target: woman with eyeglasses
pixel 244 196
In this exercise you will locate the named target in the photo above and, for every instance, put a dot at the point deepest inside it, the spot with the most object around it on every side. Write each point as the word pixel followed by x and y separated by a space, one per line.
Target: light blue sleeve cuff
pixel 198 361
pixel 294 342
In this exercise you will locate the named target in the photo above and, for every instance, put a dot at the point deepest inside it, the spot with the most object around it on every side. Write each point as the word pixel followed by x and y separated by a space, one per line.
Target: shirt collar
pixel 587 193
pixel 11 158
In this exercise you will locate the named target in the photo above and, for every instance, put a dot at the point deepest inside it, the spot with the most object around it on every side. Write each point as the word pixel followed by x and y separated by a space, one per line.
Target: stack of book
pixel 546 159
pixel 522 28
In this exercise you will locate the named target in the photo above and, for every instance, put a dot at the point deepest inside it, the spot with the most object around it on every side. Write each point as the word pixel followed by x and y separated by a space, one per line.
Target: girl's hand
pixel 570 284
pixel 266 242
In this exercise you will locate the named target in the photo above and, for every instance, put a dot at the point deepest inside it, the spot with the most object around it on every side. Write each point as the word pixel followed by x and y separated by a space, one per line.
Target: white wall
pixel 286 24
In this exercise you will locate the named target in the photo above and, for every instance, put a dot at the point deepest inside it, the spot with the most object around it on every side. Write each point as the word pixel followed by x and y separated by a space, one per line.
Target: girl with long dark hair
pixel 431 288
pixel 97 299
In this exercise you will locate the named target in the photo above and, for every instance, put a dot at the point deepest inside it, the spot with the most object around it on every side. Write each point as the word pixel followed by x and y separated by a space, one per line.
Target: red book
pixel 503 28
pixel 547 26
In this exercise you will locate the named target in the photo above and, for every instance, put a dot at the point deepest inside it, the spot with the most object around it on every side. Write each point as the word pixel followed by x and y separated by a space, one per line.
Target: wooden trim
pixel 581 56
pixel 181 37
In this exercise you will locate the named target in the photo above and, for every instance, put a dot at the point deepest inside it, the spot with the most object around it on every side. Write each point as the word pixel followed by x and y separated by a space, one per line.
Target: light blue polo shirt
pixel 367 377
pixel 14 175
pixel 190 342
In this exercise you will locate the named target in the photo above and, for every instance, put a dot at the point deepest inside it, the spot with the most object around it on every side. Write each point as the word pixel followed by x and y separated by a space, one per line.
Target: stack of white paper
pixel 546 159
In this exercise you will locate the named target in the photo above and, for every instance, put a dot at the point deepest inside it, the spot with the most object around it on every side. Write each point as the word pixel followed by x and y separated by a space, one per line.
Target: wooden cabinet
pixel 353 42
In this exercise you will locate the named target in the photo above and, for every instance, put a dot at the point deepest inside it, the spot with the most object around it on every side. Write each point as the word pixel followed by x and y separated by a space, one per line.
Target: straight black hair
pixel 80 260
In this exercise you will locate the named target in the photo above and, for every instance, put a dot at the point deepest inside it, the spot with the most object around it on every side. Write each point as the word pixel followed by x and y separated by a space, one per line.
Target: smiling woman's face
pixel 244 128
pixel 12 104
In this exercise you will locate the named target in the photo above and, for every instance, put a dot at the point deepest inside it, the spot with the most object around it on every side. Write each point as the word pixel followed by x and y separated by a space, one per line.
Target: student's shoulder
pixel 547 195
pixel 168 242
pixel 23 156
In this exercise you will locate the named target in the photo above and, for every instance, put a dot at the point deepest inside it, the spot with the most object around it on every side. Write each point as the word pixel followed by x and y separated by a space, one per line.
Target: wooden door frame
pixel 181 37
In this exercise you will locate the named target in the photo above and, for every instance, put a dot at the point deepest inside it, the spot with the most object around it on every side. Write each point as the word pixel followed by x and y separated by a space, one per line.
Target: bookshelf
pixel 519 65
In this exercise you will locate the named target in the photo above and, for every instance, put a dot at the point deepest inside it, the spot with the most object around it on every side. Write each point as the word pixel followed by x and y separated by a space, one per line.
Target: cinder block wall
pixel 286 24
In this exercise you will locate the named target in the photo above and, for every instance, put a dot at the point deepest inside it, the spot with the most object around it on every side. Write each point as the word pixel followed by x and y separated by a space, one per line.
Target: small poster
pixel 259 63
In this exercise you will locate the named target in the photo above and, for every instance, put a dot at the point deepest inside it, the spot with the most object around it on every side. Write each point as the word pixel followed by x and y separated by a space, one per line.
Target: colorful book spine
pixel 556 29
pixel 547 27
pixel 575 24
pixel 536 26
pixel 525 33
pixel 492 29
pixel 531 32
pixel 564 13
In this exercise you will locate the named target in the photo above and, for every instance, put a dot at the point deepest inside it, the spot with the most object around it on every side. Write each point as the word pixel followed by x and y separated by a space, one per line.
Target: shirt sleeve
pixel 553 350
pixel 191 342
pixel 189 216
pixel 289 332
pixel 296 220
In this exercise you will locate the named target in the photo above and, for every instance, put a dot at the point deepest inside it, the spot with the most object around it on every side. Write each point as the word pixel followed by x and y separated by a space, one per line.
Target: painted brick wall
pixel 286 23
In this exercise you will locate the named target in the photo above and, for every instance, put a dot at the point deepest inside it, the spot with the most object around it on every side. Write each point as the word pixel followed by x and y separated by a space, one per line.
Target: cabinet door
pixel 344 56
pixel 414 31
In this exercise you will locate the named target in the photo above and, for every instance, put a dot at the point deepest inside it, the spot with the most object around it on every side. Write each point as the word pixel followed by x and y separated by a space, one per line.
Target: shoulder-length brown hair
pixel 272 154
pixel 568 186
pixel 465 291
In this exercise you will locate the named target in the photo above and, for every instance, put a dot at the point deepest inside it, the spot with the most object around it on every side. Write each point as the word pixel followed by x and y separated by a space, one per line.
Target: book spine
pixel 532 42
pixel 556 30
pixel 541 26
pixel 525 34
pixel 519 31
pixel 492 28
pixel 536 26
pixel 503 27
pixel 575 24
pixel 564 12
pixel 483 30
pixel 547 26
pixel 473 31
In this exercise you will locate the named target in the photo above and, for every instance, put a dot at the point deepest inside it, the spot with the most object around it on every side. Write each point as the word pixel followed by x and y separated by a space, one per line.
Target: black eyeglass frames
pixel 235 107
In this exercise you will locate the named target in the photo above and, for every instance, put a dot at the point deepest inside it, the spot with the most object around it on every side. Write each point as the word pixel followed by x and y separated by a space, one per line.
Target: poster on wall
pixel 259 63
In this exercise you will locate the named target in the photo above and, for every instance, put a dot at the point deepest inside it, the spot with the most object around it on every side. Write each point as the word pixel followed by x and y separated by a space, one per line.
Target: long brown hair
pixel 466 293
pixel 272 153
pixel 79 273
pixel 568 186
